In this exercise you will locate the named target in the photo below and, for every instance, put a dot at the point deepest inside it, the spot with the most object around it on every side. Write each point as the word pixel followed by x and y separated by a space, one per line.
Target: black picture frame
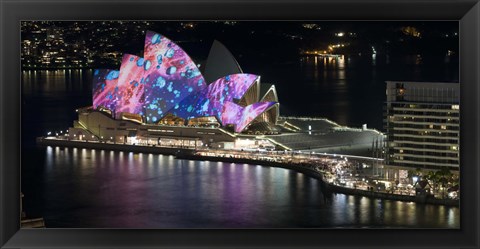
pixel 467 12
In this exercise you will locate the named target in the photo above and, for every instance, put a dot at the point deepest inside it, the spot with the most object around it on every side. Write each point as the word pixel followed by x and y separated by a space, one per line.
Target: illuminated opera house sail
pixel 166 83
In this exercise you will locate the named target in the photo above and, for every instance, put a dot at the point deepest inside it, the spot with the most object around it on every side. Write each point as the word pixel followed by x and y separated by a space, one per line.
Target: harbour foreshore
pixel 114 146
pixel 329 187
pixel 189 154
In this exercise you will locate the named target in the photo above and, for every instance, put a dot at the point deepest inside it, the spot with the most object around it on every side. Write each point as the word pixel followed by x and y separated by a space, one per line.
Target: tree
pixel 416 172
pixel 433 178
pixel 444 175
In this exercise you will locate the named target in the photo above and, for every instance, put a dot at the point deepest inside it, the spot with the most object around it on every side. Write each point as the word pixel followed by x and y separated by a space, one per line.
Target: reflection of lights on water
pixel 441 211
pixel 286 173
pixel 150 159
pixel 245 168
pixel 258 170
pixel 451 217
pixel 49 155
pixel 418 59
pixel 364 210
pixel 341 62
pixel 300 179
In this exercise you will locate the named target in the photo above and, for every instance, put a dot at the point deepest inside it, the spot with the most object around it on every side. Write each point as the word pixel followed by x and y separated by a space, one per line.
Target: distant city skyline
pixel 89 44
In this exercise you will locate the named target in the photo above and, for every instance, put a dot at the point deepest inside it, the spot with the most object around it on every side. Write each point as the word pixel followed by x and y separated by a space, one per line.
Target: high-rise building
pixel 423 127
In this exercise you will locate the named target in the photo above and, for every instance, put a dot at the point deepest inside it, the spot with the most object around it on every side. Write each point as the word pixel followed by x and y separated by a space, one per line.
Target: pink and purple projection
pixel 242 116
pixel 210 100
pixel 252 111
pixel 232 113
pixel 130 94
pixel 166 81
pixel 170 76
pixel 105 88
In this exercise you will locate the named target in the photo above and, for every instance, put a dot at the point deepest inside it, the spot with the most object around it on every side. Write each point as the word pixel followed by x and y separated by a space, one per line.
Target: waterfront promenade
pixel 352 175
pixel 338 173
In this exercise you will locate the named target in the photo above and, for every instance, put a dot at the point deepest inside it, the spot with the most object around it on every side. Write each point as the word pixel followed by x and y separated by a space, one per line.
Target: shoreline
pixel 188 154
pixel 115 147
pixel 330 188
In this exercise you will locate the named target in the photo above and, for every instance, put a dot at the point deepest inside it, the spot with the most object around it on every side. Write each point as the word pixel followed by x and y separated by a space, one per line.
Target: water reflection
pixel 341 62
pixel 346 86
pixel 115 189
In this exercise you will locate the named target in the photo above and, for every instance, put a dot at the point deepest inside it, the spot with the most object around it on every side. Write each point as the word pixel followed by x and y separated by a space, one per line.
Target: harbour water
pixel 73 187
pixel 99 188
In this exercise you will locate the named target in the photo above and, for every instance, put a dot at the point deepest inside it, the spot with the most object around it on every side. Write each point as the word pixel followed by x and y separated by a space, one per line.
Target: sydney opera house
pixel 163 99
pixel 166 84
pixel 165 88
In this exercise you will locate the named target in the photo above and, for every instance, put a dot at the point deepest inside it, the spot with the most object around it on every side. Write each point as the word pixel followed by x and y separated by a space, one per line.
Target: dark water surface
pixel 97 188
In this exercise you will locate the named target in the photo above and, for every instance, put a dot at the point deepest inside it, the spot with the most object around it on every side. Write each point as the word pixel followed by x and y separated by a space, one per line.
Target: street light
pixel 415 179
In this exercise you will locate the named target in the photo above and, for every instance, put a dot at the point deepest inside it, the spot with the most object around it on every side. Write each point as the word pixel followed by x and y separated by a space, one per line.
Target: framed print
pixel 239 124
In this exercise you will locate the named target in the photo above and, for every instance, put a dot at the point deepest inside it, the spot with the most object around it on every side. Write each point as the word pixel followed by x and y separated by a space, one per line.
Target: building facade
pixel 423 127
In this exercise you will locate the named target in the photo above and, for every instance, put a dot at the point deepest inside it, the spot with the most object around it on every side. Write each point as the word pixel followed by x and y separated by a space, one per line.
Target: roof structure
pixel 268 92
pixel 220 62
pixel 165 81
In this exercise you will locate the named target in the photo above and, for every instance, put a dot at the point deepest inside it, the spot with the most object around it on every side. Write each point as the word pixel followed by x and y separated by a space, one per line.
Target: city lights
pixel 218 134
